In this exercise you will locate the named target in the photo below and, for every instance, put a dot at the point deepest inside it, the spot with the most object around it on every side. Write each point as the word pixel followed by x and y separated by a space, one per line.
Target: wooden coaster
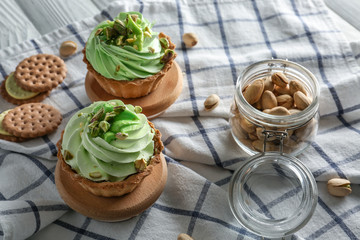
pixel 154 103
pixel 113 209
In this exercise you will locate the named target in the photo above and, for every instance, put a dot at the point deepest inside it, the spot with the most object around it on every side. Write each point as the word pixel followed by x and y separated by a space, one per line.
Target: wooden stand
pixel 153 104
pixel 114 208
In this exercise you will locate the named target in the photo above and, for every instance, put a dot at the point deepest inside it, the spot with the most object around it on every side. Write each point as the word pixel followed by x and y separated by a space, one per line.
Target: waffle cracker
pixel 38 98
pixel 32 120
pixel 40 73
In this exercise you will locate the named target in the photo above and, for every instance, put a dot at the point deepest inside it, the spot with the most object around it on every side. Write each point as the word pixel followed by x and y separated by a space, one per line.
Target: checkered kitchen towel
pixel 232 35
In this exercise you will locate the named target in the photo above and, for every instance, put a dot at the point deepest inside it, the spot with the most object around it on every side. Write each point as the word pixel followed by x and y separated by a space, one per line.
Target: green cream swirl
pixel 125 62
pixel 104 158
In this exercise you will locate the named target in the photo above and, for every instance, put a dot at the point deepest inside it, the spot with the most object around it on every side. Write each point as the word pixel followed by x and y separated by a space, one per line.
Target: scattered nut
pixel 184 236
pixel 190 39
pixel 281 90
pixel 280 111
pixel 339 187
pixel 285 101
pixel 67 48
pixel 253 92
pixel 211 102
pixel 294 111
pixel 295 86
pixel 247 126
pixel 269 85
pixel 279 79
pixel 268 100
pixel 301 100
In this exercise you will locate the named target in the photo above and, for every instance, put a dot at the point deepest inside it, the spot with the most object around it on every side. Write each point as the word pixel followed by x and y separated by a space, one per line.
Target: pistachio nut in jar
pixel 275 108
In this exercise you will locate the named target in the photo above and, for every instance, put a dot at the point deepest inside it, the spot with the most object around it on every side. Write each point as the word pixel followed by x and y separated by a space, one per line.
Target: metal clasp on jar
pixel 271 134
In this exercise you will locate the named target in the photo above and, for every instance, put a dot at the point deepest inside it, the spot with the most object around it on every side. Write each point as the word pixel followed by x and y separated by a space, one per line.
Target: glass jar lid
pixel 273 195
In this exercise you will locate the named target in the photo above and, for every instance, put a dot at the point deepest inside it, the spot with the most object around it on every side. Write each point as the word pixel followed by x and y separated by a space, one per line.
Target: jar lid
pixel 273 194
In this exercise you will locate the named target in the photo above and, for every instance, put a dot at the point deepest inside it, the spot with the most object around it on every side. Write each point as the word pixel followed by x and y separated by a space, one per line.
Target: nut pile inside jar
pixel 275 94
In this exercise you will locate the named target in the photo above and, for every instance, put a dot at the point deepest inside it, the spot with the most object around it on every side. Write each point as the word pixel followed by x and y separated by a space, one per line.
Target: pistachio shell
pixel 190 39
pixel 280 111
pixel 282 90
pixel 268 84
pixel 339 187
pixel 184 236
pixel 253 92
pixel 211 102
pixel 285 100
pixel 279 79
pixel 268 100
pixel 295 86
pixel 301 100
pixel 67 48
pixel 247 126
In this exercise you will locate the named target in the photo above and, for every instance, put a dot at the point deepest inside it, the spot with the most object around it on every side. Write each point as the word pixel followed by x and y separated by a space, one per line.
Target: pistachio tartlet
pixel 109 148
pixel 126 57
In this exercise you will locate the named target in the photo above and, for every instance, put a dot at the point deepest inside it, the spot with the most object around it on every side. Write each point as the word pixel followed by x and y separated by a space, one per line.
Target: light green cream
pixel 125 62
pixel 107 159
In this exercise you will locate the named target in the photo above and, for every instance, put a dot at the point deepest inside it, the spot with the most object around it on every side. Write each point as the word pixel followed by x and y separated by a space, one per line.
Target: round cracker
pixel 4 134
pixel 32 120
pixel 40 73
pixel 7 97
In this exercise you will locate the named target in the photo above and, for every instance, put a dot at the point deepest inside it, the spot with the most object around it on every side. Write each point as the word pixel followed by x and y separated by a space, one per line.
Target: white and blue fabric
pixel 199 149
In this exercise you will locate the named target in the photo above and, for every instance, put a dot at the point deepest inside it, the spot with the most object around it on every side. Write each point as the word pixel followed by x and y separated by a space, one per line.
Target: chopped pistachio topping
pixel 117 68
pixel 104 125
pixel 119 40
pixel 120 27
pixel 131 40
pixel 119 109
pixel 68 155
pixel 147 34
pixel 97 115
pixel 134 17
pixel 109 116
pixel 110 33
pixel 140 165
pixel 121 136
pixel 135 47
pixel 98 31
pixel 138 109
pixel 152 50
pixel 167 56
pixel 95 175
pixel 164 43
pixel 94 132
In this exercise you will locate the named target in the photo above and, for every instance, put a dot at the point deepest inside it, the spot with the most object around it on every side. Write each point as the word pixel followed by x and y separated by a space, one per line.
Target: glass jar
pixel 250 126
pixel 274 194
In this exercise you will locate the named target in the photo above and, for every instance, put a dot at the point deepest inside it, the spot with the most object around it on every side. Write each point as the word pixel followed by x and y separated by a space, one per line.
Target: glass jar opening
pixel 273 195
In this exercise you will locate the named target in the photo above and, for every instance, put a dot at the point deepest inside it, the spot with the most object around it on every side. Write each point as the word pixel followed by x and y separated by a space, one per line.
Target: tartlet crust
pixel 134 88
pixel 113 189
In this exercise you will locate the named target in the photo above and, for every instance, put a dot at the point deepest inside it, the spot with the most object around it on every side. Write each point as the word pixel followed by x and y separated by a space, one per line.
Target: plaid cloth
pixel 200 152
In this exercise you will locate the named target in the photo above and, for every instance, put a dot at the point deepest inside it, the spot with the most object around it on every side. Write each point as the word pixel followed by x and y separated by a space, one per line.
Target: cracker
pixel 38 98
pixel 40 73
pixel 11 138
pixel 32 120
pixel 5 135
